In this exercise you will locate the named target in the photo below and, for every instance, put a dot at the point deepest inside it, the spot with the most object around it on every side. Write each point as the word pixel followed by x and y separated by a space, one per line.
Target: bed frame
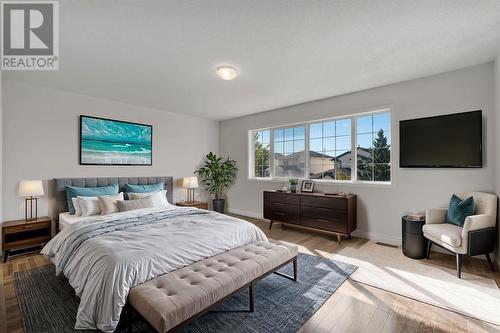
pixel 61 205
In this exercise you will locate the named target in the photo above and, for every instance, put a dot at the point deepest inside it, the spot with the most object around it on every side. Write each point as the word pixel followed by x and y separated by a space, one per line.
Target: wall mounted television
pixel 447 141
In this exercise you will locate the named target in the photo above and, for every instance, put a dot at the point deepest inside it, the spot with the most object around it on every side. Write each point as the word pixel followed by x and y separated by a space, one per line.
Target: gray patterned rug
pixel 48 303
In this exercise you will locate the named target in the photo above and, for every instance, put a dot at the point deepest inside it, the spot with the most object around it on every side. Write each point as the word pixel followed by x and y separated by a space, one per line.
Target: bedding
pixel 66 219
pixel 108 203
pixel 106 256
pixel 75 191
pixel 144 188
pixel 89 206
pixel 146 202
pixel 159 198
pixel 76 205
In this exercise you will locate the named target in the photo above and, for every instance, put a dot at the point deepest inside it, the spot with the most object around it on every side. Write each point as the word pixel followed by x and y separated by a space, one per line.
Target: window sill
pixel 324 182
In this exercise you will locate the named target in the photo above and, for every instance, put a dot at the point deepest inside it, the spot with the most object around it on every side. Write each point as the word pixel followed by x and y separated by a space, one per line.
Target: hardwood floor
pixel 354 308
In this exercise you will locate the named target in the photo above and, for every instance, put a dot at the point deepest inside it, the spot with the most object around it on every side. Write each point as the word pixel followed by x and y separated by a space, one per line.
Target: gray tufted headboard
pixel 61 204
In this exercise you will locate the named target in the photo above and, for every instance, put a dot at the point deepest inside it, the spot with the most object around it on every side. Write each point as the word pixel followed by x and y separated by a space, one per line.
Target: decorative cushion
pixel 124 205
pixel 76 204
pixel 159 198
pixel 74 191
pixel 459 209
pixel 445 232
pixel 108 204
pixel 89 206
pixel 144 188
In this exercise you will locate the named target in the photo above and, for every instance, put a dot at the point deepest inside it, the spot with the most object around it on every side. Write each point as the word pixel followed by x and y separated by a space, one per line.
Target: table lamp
pixel 30 189
pixel 190 183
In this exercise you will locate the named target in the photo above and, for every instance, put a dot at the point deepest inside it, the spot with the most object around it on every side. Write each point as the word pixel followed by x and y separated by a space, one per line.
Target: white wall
pixel 380 208
pixel 1 147
pixel 497 148
pixel 41 140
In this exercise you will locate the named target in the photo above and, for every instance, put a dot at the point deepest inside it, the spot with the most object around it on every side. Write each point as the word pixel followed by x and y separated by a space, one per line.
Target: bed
pixel 103 257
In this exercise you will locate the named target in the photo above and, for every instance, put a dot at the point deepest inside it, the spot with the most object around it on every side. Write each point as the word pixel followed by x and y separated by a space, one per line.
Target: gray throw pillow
pixel 125 205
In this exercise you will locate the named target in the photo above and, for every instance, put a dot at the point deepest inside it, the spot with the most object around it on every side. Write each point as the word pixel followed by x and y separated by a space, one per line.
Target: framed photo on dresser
pixel 115 142
pixel 307 186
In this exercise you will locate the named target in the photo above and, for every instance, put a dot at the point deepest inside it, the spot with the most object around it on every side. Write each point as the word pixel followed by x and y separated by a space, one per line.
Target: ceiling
pixel 163 54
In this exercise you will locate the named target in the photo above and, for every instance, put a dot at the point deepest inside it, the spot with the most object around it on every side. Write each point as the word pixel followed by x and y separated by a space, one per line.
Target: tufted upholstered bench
pixel 174 299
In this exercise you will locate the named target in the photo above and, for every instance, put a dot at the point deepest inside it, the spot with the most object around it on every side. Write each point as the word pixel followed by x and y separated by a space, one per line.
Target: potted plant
pixel 216 175
pixel 293 184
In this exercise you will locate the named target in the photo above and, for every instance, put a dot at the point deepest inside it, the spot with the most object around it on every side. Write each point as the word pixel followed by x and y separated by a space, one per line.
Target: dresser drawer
pixel 325 224
pixel 324 201
pixel 324 213
pixel 278 211
pixel 287 198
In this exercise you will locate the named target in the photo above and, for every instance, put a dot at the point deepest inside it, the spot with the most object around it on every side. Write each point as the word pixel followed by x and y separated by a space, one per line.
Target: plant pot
pixel 293 188
pixel 218 205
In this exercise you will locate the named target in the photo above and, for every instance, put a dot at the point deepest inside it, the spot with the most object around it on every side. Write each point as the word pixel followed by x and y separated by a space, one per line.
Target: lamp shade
pixel 30 188
pixel 190 182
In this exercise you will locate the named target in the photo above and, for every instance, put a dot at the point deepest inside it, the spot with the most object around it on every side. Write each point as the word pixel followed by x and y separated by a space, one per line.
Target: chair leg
pixel 459 265
pixel 429 246
pixel 251 294
pixel 489 261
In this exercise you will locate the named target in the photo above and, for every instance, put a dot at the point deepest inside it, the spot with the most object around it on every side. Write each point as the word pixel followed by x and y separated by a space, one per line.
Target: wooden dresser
pixel 327 213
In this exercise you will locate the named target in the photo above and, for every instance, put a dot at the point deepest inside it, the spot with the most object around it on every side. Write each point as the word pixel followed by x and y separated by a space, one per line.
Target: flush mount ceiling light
pixel 226 72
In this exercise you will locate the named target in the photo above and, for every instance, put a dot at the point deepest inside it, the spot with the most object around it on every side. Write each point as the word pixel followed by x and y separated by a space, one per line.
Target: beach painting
pixel 114 142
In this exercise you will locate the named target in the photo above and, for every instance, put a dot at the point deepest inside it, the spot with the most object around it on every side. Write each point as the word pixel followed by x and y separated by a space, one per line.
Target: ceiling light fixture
pixel 226 72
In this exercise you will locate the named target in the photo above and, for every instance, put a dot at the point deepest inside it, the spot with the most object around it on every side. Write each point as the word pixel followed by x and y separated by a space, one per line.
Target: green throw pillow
pixel 459 209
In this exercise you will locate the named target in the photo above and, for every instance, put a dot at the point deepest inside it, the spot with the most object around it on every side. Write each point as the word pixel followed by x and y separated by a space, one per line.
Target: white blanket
pixel 103 259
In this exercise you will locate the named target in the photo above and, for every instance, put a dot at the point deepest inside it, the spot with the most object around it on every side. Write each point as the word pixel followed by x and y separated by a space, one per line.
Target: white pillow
pixel 76 204
pixel 146 202
pixel 89 206
pixel 107 203
pixel 159 198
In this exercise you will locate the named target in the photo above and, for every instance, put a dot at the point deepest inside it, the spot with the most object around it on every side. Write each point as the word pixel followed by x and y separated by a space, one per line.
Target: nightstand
pixel 19 234
pixel 197 204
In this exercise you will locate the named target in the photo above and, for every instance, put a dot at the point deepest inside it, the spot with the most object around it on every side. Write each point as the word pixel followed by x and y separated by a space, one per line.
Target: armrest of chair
pixel 435 215
pixel 476 222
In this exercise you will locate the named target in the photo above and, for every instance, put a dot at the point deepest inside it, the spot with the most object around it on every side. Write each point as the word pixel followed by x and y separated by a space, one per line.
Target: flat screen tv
pixel 448 141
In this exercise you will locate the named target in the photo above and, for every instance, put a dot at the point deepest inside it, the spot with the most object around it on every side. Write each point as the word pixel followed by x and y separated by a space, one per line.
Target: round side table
pixel 414 242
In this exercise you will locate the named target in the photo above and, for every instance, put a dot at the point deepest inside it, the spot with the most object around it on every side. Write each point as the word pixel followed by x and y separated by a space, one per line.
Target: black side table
pixel 414 242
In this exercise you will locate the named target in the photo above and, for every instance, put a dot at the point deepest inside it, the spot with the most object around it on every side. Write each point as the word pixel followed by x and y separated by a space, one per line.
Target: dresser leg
pixel 339 239
pixel 5 255
pixel 270 224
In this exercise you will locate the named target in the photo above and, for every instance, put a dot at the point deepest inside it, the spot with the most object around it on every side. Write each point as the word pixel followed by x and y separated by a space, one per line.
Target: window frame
pixel 272 142
pixel 354 159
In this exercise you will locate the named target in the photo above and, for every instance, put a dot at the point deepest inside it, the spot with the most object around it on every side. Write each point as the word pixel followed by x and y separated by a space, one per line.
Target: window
pixel 330 150
pixel 289 152
pixel 354 148
pixel 373 136
pixel 262 154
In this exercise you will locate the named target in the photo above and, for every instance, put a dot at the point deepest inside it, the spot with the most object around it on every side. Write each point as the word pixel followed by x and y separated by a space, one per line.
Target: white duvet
pixel 104 257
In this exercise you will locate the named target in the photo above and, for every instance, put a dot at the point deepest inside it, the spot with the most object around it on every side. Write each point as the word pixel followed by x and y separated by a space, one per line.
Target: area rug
pixel 387 268
pixel 48 303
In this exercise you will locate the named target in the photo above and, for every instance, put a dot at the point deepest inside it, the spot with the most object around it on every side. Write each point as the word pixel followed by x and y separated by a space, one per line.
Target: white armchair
pixel 477 236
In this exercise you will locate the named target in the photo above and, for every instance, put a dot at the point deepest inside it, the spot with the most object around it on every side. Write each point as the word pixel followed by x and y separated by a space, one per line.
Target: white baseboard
pixel 387 239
